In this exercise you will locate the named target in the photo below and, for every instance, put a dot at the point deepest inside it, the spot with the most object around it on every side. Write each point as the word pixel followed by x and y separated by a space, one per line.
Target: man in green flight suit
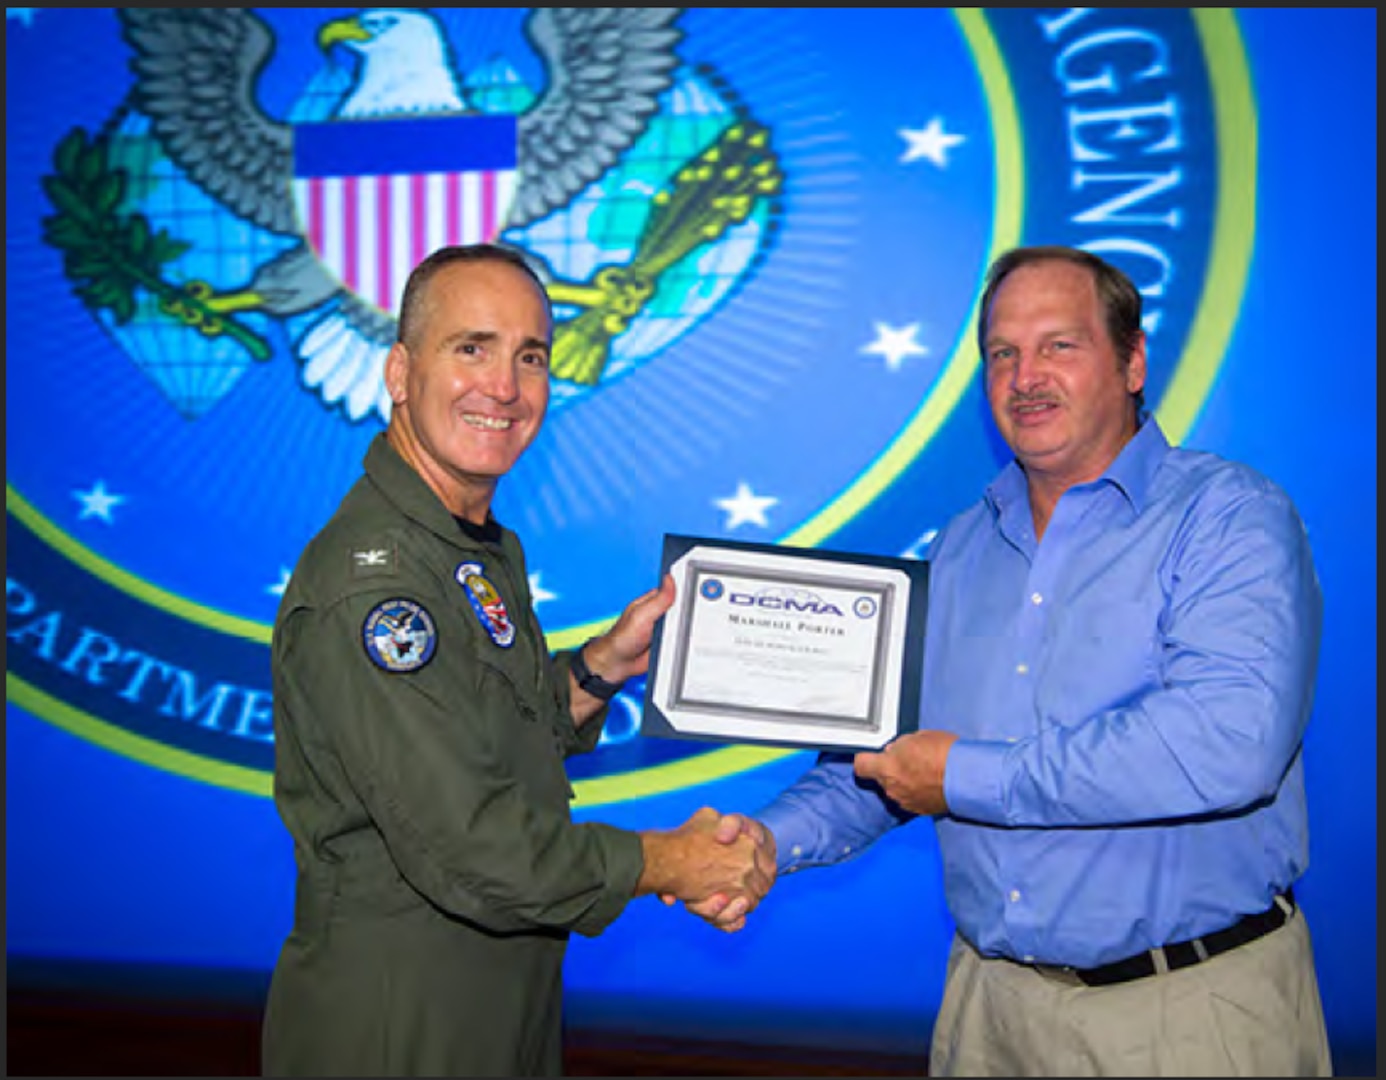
pixel 421 728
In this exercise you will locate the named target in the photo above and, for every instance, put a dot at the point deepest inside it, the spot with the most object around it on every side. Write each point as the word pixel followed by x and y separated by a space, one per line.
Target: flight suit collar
pixel 401 486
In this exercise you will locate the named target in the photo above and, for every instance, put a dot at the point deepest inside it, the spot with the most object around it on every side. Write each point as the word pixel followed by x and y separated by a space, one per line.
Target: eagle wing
pixel 607 68
pixel 195 72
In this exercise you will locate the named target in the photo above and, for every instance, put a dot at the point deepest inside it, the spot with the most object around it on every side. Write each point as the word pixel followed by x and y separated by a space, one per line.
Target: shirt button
pixel 1022 669
pixel 796 850
pixel 1036 598
pixel 1010 738
pixel 846 849
pixel 1015 895
pixel 1029 959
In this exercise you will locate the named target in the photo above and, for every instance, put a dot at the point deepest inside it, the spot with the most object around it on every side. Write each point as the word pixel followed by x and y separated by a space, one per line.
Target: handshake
pixel 721 866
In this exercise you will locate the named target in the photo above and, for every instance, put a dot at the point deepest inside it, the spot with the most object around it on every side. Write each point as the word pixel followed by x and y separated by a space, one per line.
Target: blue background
pixel 112 862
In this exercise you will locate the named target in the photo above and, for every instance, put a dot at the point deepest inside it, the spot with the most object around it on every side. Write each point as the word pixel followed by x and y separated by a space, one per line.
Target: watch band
pixel 589 680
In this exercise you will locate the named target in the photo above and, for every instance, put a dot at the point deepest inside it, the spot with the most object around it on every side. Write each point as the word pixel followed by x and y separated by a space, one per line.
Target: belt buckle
pixel 1063 973
pixel 1128 969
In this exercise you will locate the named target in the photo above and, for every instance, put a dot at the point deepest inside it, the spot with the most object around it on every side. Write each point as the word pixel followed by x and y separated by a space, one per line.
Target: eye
pixel 1058 345
pixel 1001 352
pixel 535 359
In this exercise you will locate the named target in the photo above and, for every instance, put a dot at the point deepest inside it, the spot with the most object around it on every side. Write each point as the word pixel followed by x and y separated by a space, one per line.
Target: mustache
pixel 1031 399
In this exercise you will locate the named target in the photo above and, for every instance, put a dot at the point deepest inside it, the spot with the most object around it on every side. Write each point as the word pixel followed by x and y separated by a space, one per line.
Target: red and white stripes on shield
pixel 372 230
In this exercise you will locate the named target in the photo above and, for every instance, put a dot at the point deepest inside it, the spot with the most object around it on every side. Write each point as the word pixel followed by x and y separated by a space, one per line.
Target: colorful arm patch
pixel 486 601
pixel 399 635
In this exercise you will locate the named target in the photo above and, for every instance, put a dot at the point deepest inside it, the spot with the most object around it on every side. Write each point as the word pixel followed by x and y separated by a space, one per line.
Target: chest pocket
pixel 521 713
pixel 1098 657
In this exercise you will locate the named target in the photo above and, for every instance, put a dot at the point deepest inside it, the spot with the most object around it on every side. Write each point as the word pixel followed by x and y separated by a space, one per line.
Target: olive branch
pixel 108 255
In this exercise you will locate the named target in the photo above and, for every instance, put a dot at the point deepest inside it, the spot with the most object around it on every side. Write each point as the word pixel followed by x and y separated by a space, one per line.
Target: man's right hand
pixel 724 910
pixel 711 861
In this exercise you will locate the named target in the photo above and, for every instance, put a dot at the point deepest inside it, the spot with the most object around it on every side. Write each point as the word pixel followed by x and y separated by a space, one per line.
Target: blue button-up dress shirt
pixel 1130 696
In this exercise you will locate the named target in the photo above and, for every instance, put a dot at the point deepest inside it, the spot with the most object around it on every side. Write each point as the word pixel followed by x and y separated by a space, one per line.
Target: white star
pixel 895 344
pixel 537 592
pixel 746 506
pixel 98 502
pixel 277 589
pixel 931 143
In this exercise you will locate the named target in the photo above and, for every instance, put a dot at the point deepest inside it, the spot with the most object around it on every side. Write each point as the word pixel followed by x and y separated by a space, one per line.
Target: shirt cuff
pixel 793 839
pixel 623 861
pixel 584 739
pixel 576 740
pixel 974 783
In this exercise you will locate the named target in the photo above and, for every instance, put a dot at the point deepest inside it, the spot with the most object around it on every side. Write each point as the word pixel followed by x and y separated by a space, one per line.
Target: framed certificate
pixel 786 646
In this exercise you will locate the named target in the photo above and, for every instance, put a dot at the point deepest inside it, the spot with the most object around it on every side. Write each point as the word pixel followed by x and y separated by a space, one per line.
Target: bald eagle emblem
pixel 209 230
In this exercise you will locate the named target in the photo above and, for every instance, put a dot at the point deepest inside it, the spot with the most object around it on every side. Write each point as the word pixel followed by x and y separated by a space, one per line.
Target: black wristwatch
pixel 589 680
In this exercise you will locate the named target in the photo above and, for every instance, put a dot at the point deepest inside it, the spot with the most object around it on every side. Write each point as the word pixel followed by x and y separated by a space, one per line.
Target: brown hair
pixel 1119 297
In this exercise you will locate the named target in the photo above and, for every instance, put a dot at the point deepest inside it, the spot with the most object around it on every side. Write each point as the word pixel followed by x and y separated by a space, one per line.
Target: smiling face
pixel 1059 390
pixel 470 386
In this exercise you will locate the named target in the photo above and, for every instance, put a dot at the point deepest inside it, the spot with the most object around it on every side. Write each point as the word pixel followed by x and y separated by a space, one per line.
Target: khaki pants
pixel 1253 1011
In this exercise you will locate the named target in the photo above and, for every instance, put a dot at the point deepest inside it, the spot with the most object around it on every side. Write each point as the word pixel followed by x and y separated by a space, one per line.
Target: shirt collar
pixel 1131 473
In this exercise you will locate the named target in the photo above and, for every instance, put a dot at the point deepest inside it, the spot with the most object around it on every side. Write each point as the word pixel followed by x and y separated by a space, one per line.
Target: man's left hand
pixel 910 770
pixel 624 651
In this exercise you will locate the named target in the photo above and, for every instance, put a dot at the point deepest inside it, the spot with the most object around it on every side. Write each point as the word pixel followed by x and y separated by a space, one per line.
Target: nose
pixel 1027 373
pixel 500 381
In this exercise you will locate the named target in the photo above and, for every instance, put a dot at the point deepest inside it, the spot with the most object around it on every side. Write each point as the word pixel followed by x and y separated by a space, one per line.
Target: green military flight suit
pixel 420 736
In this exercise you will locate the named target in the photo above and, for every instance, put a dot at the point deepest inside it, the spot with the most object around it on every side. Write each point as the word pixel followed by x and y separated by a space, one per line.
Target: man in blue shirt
pixel 1119 667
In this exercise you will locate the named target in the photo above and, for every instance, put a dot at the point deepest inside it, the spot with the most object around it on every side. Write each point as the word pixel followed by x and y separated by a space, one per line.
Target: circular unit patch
pixel 399 635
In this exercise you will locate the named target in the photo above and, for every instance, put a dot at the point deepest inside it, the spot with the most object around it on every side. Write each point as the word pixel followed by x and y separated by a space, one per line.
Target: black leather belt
pixel 1184 954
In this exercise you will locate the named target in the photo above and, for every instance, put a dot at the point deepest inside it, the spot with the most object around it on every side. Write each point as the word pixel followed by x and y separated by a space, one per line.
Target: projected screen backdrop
pixel 765 274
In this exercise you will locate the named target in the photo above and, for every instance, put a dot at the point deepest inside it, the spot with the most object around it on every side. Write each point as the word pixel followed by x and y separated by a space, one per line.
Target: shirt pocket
pixel 1097 658
pixel 523 722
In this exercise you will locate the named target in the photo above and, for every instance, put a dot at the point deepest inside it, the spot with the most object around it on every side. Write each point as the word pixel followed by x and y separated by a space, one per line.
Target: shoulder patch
pixel 373 560
pixel 399 635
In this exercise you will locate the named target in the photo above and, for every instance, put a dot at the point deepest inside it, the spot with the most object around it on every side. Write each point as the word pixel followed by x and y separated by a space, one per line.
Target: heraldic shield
pixel 374 197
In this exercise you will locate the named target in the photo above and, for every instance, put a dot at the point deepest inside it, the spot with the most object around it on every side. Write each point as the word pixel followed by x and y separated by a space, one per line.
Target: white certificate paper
pixel 786 646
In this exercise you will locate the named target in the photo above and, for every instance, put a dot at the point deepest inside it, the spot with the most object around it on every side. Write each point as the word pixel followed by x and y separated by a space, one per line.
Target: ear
pixel 1135 369
pixel 396 370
